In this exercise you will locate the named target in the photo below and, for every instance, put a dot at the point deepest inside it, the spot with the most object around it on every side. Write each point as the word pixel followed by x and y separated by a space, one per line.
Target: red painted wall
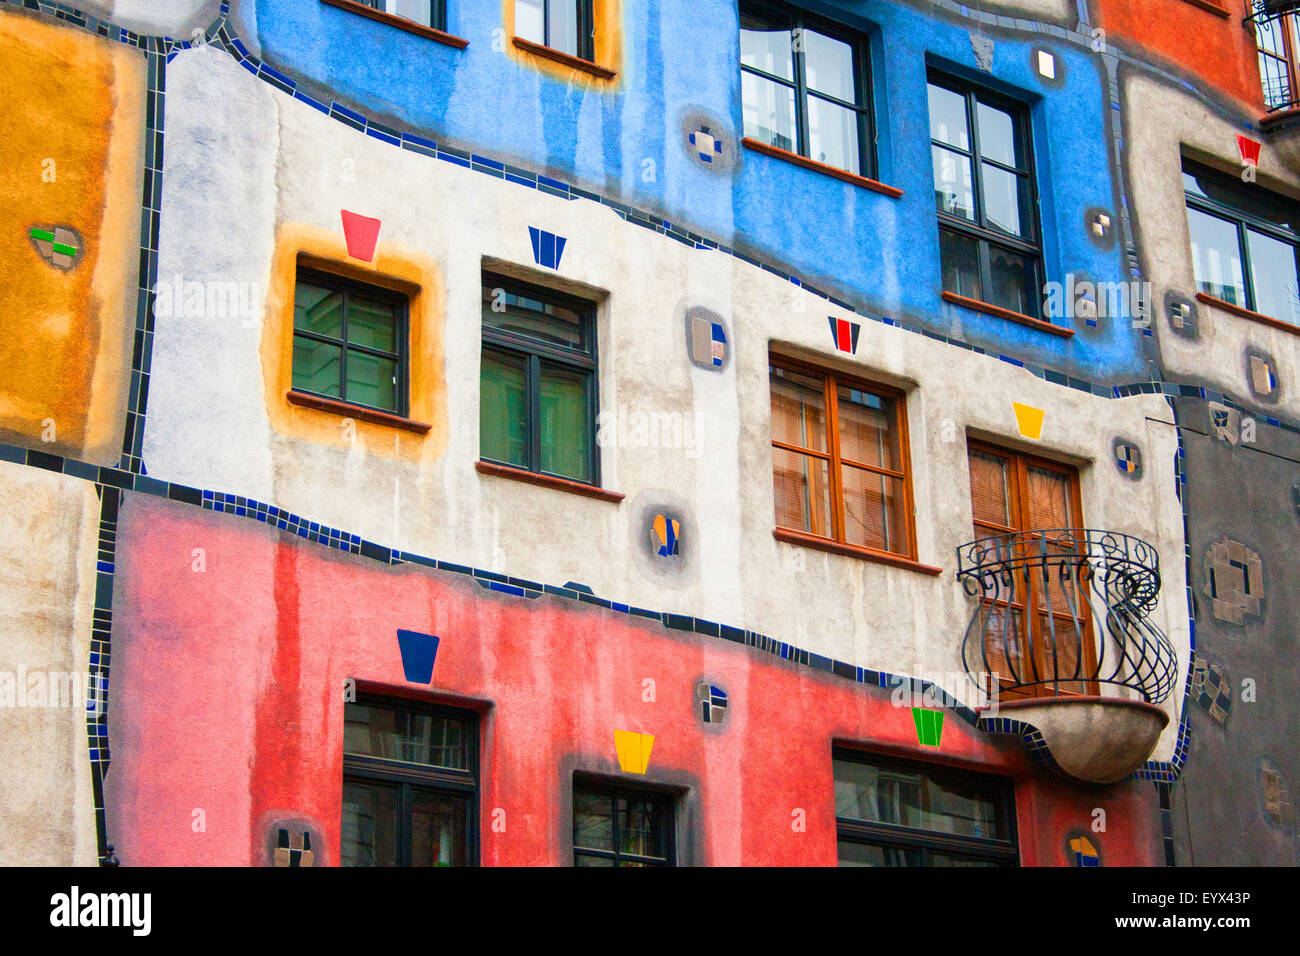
pixel 226 696
pixel 1219 51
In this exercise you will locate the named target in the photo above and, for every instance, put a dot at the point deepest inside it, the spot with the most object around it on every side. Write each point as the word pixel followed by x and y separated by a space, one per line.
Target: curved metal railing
pixel 1065 611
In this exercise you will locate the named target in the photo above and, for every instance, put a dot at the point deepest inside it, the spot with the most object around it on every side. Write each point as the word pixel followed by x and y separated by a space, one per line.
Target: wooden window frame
pixel 984 234
pixel 534 351
pixel 586 27
pixel 830 381
pixel 664 802
pixel 1243 222
pixel 401 337
pixel 363 769
pixel 863 105
pixel 926 842
pixel 1036 603
pixel 1286 24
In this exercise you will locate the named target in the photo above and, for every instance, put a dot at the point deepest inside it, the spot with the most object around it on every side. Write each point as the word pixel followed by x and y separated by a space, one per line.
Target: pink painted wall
pixel 226 696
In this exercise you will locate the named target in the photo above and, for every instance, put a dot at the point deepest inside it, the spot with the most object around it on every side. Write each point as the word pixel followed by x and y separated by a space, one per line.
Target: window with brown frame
pixel 1278 39
pixel 1044 627
pixel 839 460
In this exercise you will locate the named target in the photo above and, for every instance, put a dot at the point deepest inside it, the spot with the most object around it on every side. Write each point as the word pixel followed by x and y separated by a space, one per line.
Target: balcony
pixel 1060 639
pixel 1277 35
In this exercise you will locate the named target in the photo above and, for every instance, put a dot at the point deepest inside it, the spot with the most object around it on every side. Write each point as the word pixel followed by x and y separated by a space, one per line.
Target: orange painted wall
pixel 415 275
pixel 71 155
pixel 1219 50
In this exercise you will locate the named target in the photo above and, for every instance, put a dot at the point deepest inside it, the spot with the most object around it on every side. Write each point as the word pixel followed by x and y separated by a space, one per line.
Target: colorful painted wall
pixel 70 172
pixel 238 555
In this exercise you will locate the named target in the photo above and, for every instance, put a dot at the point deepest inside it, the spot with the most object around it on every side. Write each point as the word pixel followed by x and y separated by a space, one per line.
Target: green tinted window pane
pixel 319 310
pixel 1273 271
pixel 566 435
pixel 503 409
pixel 593 861
pixel 438 828
pixel 316 366
pixel 369 830
pixel 509 311
pixel 593 822
pixel 372 323
pixel 372 381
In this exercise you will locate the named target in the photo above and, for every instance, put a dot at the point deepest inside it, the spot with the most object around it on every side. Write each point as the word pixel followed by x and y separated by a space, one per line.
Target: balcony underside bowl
pixel 1092 739
pixel 1283 134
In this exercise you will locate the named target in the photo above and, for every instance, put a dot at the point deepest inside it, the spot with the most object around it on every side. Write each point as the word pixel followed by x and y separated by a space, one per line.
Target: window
pixel 892 813
pixel 409 784
pixel 564 25
pixel 1277 40
pixel 1243 243
pixel 537 406
pixel 984 191
pixel 805 87
pixel 349 342
pixel 1045 625
pixel 619 826
pixel 839 454
pixel 427 13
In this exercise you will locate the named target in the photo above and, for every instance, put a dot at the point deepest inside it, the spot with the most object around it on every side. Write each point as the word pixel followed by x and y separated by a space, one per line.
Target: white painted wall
pixel 47 577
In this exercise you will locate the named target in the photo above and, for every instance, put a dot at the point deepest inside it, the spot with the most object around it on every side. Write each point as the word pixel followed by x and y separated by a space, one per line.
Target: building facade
pixel 554 432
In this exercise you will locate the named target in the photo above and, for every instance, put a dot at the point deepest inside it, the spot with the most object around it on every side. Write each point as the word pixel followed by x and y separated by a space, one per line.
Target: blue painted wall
pixel 681 57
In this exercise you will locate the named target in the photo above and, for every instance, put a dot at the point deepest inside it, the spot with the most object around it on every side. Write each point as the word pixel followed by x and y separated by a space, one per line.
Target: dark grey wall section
pixel 1235 801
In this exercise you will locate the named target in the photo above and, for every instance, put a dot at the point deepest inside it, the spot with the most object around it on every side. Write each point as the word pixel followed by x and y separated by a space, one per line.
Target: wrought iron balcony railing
pixel 1064 611
pixel 1276 36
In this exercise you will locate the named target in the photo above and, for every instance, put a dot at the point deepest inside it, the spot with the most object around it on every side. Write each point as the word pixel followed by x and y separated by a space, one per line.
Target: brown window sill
pixel 803 539
pixel 546 481
pixel 991 309
pixel 528 46
pixel 812 164
pixel 1214 8
pixel 1247 314
pixel 402 23
pixel 335 407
